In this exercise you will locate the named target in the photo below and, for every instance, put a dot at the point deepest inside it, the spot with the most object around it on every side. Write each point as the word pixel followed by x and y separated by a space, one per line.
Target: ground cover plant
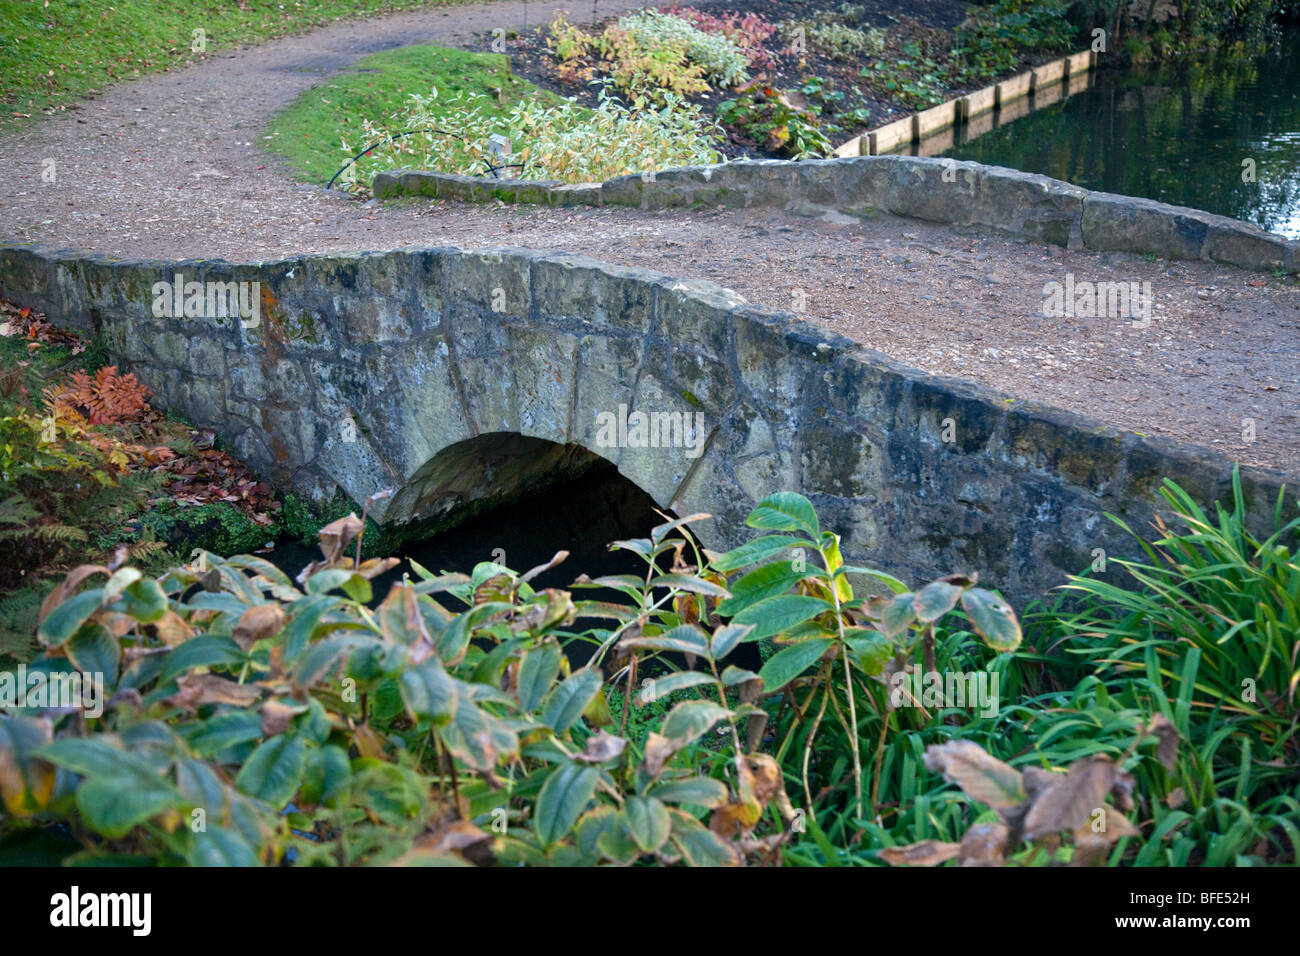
pixel 259 719
pixel 563 141
pixel 88 465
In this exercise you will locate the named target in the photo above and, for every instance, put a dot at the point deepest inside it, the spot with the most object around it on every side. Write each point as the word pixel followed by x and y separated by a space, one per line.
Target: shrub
pixel 255 719
pixel 993 39
pixel 638 66
pixel 769 116
pixel 569 143
pixel 258 719
pixel 722 60
pixel 748 31
pixel 1208 633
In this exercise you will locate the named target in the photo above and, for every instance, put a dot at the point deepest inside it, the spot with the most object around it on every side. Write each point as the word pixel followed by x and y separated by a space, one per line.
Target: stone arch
pixel 485 472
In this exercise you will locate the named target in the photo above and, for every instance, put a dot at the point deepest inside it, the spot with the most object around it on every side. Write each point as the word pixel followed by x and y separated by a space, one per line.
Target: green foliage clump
pixel 1207 631
pixel 216 527
pixel 841 42
pixel 721 58
pixel 275 721
pixel 768 116
pixel 565 141
pixel 994 39
pixel 1165 29
pixel 636 65
pixel 297 723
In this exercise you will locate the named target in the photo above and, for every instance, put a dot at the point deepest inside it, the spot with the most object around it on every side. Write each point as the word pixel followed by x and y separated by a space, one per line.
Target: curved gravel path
pixel 169 166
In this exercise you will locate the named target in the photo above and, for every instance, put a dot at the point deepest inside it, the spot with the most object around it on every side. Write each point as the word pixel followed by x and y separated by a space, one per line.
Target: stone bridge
pixel 463 379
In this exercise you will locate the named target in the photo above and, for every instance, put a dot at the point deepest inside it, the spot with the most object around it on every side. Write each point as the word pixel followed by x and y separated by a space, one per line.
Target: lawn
pixel 311 133
pixel 56 53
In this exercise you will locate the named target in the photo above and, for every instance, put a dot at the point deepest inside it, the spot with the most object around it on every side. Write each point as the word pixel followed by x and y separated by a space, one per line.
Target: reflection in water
pixel 581 516
pixel 1179 135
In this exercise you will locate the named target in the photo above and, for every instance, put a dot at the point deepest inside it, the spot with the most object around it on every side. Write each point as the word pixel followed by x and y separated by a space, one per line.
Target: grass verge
pixel 310 134
pixel 56 53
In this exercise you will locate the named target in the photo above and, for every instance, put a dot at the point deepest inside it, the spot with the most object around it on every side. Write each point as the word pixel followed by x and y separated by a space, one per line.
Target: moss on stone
pixel 217 527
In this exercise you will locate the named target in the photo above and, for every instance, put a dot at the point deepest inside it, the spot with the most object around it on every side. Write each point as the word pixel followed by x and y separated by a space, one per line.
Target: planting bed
pixel 842 101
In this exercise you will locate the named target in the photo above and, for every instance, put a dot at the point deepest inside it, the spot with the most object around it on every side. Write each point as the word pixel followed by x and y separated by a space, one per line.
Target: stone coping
pixel 937 190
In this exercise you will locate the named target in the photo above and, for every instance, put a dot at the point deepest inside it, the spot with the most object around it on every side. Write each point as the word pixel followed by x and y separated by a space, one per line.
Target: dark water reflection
pixel 581 516
pixel 1178 135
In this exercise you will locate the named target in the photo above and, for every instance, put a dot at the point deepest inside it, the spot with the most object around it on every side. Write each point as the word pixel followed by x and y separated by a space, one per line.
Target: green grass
pixel 56 53
pixel 310 134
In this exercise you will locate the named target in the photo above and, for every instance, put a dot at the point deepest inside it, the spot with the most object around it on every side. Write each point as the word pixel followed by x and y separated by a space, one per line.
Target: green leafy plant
pixel 916 83
pixel 822 625
pixel 250 718
pixel 636 64
pixel 565 142
pixel 993 40
pixel 840 42
pixel 770 117
pixel 723 61
pixel 748 31
pixel 1207 632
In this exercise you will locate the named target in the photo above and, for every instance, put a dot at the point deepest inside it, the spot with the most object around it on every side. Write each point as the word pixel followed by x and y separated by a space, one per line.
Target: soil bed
pixel 846 102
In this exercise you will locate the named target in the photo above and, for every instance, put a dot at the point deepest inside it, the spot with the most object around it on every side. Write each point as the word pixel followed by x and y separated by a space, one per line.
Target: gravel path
pixel 170 166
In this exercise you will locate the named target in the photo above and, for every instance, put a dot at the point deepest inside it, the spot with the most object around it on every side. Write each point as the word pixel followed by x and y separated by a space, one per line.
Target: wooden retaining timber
pixel 1047 82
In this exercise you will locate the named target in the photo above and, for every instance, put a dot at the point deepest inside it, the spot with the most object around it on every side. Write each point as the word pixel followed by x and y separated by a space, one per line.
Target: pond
pixel 1180 135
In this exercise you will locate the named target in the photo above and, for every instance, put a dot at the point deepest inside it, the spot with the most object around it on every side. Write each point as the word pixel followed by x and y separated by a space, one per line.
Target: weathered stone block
pixel 1125 224
pixel 585 292
pixel 489 282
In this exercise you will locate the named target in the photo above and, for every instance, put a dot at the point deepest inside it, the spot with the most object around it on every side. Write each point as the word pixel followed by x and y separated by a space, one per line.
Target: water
pixel 1177 135
pixel 581 516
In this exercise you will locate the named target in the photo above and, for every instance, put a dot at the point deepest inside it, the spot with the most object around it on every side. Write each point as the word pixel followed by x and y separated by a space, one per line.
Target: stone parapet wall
pixel 438 356
pixel 936 190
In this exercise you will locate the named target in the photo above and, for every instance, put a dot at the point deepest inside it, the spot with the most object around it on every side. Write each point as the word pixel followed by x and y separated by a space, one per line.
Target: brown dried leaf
pixel 602 747
pixel 336 536
pixel 199 689
pixel 453 837
pixel 173 629
pixel 658 751
pixel 768 783
pixel 984 844
pixel 258 623
pixel 1167 750
pixel 981 776
pixel 733 818
pixel 925 853
pixel 374 567
pixel 276 717
pixel 1069 802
